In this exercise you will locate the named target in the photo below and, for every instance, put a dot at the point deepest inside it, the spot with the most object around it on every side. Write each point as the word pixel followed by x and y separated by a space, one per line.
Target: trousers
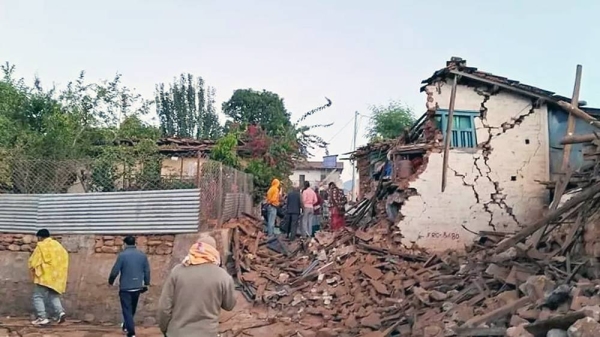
pixel 292 224
pixel 129 302
pixel 41 295
pixel 307 221
pixel 271 215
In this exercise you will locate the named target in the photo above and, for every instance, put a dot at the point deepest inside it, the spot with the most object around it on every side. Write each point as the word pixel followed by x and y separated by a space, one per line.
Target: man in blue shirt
pixel 134 269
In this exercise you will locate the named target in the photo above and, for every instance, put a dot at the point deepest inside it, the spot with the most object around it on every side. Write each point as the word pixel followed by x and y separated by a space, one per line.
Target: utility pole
pixel 354 161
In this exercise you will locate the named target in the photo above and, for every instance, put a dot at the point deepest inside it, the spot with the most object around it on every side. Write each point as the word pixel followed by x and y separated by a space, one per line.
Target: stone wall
pixel 91 258
pixel 19 242
pixel 149 244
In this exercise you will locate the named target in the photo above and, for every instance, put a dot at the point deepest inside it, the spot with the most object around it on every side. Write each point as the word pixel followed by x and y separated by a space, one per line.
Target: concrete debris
pixel 585 327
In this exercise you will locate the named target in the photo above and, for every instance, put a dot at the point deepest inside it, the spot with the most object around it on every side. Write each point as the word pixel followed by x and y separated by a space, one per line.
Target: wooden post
pixel 220 195
pixel 571 120
pixel 181 169
pixel 570 108
pixel 198 170
pixel 449 131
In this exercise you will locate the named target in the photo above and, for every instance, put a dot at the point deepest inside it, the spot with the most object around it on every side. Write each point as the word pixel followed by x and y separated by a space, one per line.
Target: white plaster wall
pixel 435 220
pixel 314 176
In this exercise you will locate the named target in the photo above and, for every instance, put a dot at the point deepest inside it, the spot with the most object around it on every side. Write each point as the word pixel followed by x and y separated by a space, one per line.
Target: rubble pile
pixel 363 282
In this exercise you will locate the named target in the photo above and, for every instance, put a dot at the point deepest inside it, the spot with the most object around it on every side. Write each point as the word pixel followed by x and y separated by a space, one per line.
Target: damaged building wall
pixel 489 188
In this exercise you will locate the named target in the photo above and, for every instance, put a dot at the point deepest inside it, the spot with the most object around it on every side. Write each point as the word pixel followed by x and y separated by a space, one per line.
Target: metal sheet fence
pixel 89 179
pixel 140 212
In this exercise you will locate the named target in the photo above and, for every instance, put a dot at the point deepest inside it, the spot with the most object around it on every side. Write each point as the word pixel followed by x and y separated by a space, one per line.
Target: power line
pixel 340 130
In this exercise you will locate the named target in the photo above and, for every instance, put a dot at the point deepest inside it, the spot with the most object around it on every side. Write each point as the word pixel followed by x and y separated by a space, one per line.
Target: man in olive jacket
pixel 195 292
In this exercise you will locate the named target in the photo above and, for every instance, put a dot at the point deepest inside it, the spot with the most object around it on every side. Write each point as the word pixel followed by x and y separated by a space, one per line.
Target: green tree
pixel 261 108
pixel 389 121
pixel 86 120
pixel 187 109
pixel 272 143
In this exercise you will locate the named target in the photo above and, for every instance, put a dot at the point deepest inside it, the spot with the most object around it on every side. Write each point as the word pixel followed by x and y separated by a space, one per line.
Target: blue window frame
pixel 463 127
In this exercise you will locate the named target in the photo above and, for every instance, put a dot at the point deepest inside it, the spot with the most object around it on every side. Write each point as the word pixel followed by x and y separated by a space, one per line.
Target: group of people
pixel 303 207
pixel 190 303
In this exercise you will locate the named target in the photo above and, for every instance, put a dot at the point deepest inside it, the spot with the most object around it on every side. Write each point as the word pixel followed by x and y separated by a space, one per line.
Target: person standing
pixel 309 200
pixel 293 209
pixel 318 209
pixel 337 206
pixel 48 265
pixel 134 270
pixel 195 292
pixel 273 202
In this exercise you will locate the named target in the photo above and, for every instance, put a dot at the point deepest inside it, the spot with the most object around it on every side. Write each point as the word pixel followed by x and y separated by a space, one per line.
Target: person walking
pixel 337 206
pixel 195 292
pixel 293 208
pixel 273 202
pixel 49 266
pixel 134 270
pixel 309 200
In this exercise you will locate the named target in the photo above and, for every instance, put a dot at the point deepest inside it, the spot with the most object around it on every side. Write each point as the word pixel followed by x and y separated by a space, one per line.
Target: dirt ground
pixel 244 320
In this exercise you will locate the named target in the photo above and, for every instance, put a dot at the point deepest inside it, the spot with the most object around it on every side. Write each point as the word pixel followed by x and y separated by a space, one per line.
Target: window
pixel 302 179
pixel 463 127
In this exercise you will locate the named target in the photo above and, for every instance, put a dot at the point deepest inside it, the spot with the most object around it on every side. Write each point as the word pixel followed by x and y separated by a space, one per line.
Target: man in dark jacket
pixel 293 208
pixel 134 269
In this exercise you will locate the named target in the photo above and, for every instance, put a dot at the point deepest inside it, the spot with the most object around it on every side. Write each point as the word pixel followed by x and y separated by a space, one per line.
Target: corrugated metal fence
pixel 235 204
pixel 146 212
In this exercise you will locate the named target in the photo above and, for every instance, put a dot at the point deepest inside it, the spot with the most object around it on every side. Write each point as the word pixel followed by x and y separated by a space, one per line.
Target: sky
pixel 357 53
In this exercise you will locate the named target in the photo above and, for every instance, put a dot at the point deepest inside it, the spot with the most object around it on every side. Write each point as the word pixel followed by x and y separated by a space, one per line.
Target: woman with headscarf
pixel 337 206
pixel 195 292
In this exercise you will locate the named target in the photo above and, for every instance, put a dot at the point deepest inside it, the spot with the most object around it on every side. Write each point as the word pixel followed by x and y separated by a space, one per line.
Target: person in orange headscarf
pixel 273 202
pixel 195 292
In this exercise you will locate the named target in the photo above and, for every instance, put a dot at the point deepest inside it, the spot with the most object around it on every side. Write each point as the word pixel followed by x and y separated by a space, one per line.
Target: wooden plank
pixel 498 313
pixel 574 110
pixel 559 190
pixel 449 131
pixel 577 139
pixel 525 93
pixel 562 322
pixel 481 332
pixel 571 119
pixel 584 195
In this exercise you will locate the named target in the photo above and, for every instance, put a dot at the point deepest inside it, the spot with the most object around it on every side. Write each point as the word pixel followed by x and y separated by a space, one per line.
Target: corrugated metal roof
pixel 155 212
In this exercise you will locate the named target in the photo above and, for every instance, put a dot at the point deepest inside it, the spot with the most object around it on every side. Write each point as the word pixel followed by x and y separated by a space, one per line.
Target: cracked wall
pixel 489 188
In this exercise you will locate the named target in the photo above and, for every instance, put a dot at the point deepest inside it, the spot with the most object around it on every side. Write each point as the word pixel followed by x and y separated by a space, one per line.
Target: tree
pixel 262 108
pixel 389 121
pixel 273 144
pixel 48 136
pixel 187 109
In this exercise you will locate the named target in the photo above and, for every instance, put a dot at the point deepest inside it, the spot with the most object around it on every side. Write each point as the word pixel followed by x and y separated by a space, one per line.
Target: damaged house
pixel 504 155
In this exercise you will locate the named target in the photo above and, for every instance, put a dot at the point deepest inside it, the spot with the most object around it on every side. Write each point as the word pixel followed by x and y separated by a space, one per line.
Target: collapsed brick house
pixel 505 154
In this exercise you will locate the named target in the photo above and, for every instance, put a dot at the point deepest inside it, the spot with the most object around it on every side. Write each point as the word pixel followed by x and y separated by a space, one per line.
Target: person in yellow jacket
pixel 49 266
pixel 273 202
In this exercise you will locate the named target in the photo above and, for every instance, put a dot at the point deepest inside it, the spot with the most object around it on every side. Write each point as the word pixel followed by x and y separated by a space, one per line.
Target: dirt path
pixel 245 320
